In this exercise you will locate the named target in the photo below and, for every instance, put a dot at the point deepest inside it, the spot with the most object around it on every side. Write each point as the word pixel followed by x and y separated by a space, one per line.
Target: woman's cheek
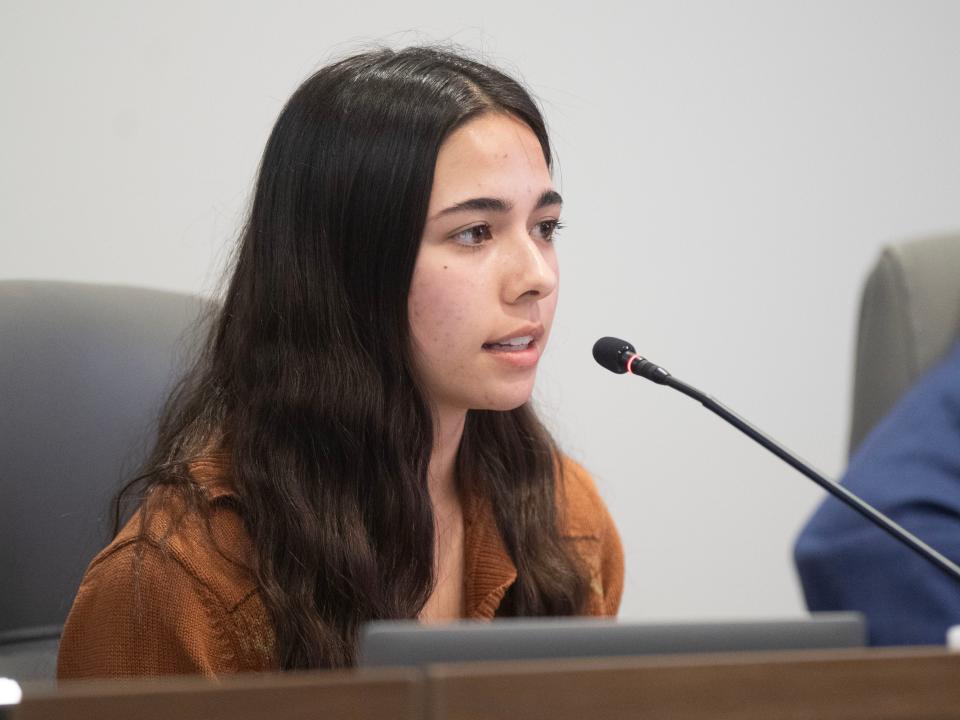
pixel 436 310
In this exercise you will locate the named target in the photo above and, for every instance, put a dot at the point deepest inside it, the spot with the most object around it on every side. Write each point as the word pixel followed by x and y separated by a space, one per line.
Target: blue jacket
pixel 909 469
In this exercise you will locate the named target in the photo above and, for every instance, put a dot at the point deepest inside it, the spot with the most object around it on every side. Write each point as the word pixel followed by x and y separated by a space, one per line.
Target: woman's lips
pixel 525 358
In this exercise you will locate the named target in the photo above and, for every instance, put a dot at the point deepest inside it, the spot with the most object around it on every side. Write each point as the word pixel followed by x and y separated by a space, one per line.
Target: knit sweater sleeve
pixel 139 611
pixel 611 552
pixel 589 525
pixel 612 564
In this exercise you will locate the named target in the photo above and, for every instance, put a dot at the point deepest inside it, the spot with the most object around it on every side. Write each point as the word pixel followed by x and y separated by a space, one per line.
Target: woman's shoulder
pixel 208 543
pixel 173 591
pixel 583 511
pixel 587 524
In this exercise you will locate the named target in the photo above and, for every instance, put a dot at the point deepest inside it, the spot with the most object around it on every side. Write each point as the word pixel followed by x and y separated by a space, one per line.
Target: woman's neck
pixel 447 433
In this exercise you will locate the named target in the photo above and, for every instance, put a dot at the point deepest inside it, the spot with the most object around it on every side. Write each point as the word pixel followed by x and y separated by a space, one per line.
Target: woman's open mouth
pixel 522 352
pixel 513 345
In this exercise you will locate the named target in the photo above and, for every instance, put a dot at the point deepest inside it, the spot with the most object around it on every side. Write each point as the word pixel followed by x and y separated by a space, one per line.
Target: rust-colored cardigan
pixel 186 609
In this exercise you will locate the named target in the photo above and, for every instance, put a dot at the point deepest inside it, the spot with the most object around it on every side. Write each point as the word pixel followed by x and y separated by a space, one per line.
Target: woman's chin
pixel 505 401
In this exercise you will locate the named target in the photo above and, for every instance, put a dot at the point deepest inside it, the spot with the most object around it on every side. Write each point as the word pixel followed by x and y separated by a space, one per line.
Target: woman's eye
pixel 548 228
pixel 473 236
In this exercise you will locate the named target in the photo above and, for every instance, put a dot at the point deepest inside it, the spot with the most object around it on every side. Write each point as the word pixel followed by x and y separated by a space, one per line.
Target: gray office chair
pixel 909 319
pixel 84 370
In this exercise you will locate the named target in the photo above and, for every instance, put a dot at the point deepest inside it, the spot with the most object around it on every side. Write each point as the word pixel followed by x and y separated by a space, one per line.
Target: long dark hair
pixel 307 377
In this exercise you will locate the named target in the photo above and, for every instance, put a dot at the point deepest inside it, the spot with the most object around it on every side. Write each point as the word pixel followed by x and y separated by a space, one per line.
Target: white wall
pixel 730 171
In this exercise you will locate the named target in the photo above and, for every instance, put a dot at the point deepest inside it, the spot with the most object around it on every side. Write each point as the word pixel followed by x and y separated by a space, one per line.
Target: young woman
pixel 356 440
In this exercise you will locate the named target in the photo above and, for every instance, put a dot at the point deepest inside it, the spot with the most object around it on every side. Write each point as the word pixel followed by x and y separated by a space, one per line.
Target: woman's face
pixel 486 272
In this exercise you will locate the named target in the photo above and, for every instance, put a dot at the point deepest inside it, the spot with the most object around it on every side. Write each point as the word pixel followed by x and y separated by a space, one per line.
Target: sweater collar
pixel 489 570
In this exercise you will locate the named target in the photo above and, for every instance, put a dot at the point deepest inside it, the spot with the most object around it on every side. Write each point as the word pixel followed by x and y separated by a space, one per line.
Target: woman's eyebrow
pixel 547 197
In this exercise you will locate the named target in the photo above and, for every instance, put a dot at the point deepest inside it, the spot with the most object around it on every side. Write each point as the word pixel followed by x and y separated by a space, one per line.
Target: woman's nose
pixel 531 270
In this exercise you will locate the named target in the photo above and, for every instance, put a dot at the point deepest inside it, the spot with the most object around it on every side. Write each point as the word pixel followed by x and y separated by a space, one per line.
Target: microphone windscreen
pixel 612 353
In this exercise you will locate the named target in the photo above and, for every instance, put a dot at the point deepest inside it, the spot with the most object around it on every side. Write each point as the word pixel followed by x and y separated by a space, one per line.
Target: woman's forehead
pixel 494 155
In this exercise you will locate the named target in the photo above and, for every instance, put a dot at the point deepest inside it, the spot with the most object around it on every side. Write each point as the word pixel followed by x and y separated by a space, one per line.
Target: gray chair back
pixel 909 319
pixel 84 370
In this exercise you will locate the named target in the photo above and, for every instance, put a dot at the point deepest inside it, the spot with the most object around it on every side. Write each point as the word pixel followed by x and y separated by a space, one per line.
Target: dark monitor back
pixel 413 643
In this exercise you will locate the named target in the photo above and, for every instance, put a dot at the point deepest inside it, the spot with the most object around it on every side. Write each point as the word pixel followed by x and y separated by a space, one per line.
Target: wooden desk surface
pixel 877 684
pixel 365 694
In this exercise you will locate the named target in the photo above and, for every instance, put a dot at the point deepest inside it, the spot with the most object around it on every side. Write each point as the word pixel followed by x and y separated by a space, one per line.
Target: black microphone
pixel 619 356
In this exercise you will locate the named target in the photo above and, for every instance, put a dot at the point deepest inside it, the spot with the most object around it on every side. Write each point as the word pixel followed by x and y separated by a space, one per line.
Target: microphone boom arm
pixel 620 357
pixel 837 490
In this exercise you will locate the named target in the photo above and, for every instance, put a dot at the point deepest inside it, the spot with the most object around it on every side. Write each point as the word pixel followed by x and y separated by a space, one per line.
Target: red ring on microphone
pixel 630 359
